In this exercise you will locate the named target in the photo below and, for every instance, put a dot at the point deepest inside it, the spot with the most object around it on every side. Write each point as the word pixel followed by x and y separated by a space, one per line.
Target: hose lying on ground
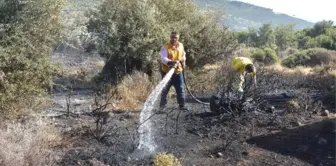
pixel 184 80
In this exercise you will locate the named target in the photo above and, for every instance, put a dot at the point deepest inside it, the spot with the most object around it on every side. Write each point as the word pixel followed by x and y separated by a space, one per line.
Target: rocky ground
pixel 198 137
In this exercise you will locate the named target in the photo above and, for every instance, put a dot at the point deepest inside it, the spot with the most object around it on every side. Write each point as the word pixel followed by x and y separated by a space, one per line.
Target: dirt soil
pixel 201 138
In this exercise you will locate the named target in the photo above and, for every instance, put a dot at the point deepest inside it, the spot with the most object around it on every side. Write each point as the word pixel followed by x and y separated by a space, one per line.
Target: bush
pixel 310 57
pixel 287 52
pixel 258 55
pixel 325 42
pixel 26 43
pixel 164 159
pixel 130 34
pixel 133 91
pixel 266 56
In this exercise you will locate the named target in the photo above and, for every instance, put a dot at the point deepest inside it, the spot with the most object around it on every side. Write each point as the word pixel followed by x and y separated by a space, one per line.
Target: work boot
pixel 161 109
pixel 183 107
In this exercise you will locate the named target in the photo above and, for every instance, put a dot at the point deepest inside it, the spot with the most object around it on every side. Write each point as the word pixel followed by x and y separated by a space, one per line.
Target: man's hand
pixel 183 64
pixel 172 63
pixel 255 82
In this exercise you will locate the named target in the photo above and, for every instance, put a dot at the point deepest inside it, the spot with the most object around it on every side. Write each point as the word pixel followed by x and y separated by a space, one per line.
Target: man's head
pixel 174 37
pixel 250 69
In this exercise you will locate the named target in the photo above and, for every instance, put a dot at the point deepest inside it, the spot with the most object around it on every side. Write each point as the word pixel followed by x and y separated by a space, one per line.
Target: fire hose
pixel 184 80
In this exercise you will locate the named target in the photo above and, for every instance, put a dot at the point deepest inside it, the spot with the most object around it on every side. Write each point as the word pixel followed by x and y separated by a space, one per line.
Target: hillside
pixel 242 15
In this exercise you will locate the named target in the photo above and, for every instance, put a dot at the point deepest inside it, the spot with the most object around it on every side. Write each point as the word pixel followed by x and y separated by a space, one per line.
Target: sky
pixel 310 10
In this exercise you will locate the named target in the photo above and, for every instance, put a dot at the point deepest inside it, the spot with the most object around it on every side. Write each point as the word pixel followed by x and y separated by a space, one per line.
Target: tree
pixel 242 37
pixel 302 38
pixel 331 32
pixel 9 9
pixel 27 41
pixel 267 36
pixel 311 43
pixel 285 36
pixel 325 42
pixel 131 33
pixel 320 28
pixel 253 37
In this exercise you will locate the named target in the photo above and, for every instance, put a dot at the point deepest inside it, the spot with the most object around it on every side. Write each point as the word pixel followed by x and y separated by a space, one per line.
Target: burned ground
pixel 313 143
pixel 293 133
pixel 201 137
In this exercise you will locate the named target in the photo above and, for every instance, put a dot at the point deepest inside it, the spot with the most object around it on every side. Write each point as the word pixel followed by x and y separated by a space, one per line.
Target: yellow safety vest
pixel 174 53
pixel 239 63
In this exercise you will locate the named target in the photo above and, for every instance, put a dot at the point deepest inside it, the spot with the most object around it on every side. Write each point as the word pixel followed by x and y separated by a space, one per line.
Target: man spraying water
pixel 173 61
pixel 172 54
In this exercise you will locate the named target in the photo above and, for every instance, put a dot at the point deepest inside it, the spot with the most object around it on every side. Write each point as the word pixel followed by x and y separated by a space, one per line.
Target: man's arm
pixel 255 81
pixel 184 58
pixel 164 56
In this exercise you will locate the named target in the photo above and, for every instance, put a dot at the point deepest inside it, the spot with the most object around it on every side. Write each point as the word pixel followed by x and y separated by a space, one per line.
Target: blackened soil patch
pixel 314 143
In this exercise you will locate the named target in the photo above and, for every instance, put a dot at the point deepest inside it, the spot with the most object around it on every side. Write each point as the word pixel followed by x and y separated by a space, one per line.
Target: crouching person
pixel 242 66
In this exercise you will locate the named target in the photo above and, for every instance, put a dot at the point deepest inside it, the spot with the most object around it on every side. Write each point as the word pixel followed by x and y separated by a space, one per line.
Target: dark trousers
pixel 178 83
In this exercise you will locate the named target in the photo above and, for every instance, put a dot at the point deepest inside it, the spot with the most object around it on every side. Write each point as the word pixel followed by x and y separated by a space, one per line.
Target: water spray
pixel 146 141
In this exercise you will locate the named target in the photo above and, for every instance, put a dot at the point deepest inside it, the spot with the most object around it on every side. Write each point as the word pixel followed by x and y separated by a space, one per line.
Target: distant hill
pixel 241 15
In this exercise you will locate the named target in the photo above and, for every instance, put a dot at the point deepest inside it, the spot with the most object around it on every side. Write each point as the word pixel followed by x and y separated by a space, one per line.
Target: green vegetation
pixel 307 47
pixel 266 56
pixel 131 33
pixel 28 32
pixel 311 57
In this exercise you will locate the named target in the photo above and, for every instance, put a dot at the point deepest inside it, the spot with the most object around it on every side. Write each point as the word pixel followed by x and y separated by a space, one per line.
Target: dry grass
pixel 75 72
pixel 201 81
pixel 219 76
pixel 210 67
pixel 300 69
pixel 25 106
pixel 302 81
pixel 279 77
pixel 27 144
pixel 133 91
pixel 100 65
pixel 164 159
pixel 293 104
pixel 211 77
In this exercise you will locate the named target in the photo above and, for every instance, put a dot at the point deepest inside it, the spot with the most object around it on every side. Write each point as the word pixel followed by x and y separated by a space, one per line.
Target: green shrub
pixel 266 56
pixel 325 42
pixel 287 52
pixel 258 55
pixel 26 43
pixel 311 43
pixel 310 57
